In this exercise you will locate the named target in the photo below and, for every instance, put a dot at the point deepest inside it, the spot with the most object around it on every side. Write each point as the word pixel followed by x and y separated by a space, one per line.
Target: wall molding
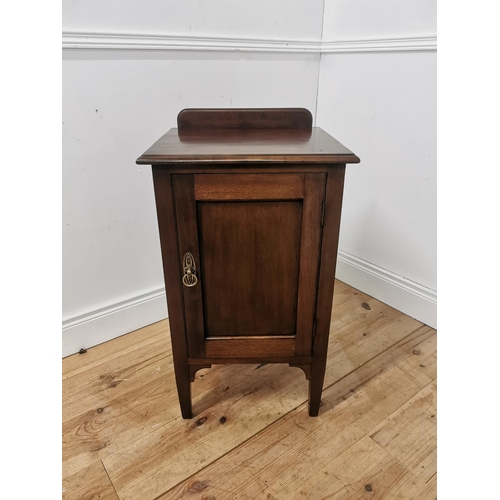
pixel 145 41
pixel 401 293
pixel 113 320
pixel 406 44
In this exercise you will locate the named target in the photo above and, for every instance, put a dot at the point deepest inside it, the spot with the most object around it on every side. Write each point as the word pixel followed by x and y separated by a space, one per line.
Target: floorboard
pixel 123 436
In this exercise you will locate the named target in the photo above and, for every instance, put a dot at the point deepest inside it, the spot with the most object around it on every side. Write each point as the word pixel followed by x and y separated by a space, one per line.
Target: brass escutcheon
pixel 189 279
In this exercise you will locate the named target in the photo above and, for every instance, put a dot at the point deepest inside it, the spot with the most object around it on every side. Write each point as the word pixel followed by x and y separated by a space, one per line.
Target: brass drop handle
pixel 189 278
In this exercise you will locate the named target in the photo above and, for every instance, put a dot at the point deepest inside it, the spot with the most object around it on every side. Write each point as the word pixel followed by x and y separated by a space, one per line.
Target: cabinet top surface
pixel 247 146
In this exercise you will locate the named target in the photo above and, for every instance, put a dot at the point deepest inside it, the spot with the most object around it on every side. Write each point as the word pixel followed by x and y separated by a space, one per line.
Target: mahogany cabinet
pixel 248 204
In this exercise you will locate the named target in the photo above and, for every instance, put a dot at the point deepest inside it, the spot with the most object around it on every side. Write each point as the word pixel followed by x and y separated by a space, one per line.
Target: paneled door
pixel 248 247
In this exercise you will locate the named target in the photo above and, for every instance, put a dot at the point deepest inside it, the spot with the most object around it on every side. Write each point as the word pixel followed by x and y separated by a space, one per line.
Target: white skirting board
pixel 106 323
pixel 406 296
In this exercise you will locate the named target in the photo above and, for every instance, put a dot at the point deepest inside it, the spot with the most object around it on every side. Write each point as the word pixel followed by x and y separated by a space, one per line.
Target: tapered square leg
pixel 316 380
pixel 184 392
pixel 315 390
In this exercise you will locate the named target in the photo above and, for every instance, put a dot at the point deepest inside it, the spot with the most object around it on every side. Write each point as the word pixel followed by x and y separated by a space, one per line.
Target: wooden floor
pixel 251 438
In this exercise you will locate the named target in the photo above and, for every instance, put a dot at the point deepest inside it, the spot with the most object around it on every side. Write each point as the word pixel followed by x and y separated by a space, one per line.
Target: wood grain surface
pixel 217 187
pixel 247 146
pixel 250 256
pixel 252 437
pixel 245 118
pixel 255 347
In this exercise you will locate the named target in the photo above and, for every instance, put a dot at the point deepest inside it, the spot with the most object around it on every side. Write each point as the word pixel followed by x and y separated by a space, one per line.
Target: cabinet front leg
pixel 184 391
pixel 316 388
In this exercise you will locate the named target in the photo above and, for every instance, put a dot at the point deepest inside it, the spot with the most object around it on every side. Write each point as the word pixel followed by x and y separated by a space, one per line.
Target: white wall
pixel 117 102
pixel 382 104
pixel 267 19
pixel 366 19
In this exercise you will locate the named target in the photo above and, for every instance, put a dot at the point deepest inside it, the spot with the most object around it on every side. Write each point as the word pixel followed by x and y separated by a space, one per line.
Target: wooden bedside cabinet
pixel 248 204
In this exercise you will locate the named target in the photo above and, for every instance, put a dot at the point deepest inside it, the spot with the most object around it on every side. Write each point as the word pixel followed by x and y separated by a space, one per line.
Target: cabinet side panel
pixel 329 247
pixel 171 271
pixel 314 194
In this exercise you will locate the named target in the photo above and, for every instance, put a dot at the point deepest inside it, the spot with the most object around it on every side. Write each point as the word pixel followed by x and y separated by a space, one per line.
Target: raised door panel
pixel 255 241
pixel 250 265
